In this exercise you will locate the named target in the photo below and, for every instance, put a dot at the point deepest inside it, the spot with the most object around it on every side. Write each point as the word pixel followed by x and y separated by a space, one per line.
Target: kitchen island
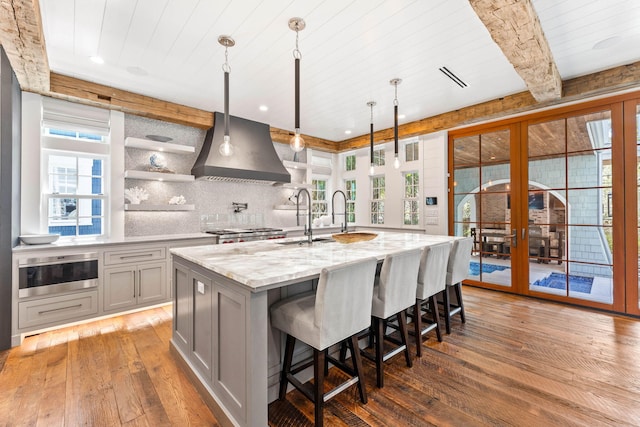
pixel 222 294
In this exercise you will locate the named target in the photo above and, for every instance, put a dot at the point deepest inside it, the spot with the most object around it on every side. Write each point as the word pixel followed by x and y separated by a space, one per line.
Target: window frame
pixel 376 206
pixel 350 165
pixel 351 193
pixel 319 206
pixel 410 199
pixel 379 157
pixel 414 146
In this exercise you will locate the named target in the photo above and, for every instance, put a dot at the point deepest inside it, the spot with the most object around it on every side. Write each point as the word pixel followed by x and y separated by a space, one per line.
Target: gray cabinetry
pixel 128 282
pixel 135 284
pixel 45 311
pixel 210 330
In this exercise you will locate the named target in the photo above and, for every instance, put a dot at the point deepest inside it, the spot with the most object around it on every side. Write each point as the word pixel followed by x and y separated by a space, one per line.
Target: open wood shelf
pixel 145 207
pixel 167 147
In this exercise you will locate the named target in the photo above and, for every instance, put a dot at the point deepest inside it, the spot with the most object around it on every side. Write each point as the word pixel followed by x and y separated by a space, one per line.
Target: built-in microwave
pixel 55 274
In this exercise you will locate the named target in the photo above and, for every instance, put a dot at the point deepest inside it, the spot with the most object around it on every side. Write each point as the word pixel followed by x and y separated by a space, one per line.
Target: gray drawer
pixel 53 310
pixel 134 255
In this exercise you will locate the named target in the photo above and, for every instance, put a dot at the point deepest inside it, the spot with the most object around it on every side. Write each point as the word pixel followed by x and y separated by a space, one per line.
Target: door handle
pixel 514 238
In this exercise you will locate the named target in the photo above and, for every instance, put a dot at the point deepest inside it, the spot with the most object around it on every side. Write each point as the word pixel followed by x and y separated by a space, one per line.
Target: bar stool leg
pixel 357 365
pixel 402 322
pixel 433 304
pixel 417 323
pixel 318 385
pixel 447 309
pixel 458 289
pixel 286 367
pixel 379 343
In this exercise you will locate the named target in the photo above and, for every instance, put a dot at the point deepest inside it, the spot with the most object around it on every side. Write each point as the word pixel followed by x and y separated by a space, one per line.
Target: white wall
pixel 432 167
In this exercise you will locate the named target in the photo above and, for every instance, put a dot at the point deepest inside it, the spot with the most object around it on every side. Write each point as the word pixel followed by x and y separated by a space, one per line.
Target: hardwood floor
pixel 517 361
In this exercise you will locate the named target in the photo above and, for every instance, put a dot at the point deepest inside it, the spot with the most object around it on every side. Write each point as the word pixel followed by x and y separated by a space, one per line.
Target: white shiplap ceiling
pixel 168 49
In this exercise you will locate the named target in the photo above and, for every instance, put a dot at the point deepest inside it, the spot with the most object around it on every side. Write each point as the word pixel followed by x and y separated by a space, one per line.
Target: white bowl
pixel 39 239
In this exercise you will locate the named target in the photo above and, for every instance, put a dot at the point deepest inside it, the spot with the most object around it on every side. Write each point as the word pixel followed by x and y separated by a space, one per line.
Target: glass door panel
pixel 482 189
pixel 570 218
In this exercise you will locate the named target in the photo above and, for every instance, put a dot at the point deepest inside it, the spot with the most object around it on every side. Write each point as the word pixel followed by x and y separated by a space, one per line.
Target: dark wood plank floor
pixel 517 361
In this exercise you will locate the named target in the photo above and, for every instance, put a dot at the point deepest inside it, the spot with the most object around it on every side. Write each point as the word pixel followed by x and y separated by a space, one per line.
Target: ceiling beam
pixel 601 83
pixel 516 29
pixel 23 41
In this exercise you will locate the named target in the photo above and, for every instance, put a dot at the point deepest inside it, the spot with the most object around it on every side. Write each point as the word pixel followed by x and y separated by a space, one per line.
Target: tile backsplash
pixel 209 197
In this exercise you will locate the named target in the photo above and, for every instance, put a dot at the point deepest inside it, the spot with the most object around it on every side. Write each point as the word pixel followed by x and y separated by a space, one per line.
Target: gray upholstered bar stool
pixel 335 312
pixel 457 271
pixel 431 281
pixel 394 292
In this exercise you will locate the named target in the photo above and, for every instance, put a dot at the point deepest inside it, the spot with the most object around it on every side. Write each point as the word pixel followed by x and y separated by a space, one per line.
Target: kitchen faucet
pixel 343 226
pixel 307 230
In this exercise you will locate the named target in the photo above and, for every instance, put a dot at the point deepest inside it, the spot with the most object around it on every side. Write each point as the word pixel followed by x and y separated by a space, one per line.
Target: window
pixel 350 162
pixel 410 201
pixel 411 151
pixel 350 186
pixel 377 200
pixel 378 157
pixel 75 194
pixel 75 158
pixel 318 198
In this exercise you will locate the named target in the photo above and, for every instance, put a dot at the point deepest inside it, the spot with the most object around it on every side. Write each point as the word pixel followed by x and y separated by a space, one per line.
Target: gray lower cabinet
pixel 210 329
pixel 56 309
pixel 134 284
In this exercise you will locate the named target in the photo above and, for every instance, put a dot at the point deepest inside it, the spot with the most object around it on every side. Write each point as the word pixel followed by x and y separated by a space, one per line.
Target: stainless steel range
pixel 234 235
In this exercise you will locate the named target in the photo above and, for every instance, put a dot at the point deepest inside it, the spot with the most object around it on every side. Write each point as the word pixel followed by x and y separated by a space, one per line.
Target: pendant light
pixel 371 104
pixel 297 142
pixel 396 160
pixel 226 149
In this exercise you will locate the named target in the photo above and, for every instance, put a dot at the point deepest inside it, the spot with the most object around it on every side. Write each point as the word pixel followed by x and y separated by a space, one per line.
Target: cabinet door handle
pixel 139 283
pixel 59 309
pixel 524 233
pixel 134 256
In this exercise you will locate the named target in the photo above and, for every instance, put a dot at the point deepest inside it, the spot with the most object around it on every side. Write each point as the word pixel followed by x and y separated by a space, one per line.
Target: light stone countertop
pixel 72 244
pixel 261 265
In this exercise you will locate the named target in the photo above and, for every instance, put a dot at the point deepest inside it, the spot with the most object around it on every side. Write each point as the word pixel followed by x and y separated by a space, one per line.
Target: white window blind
pixel 64 115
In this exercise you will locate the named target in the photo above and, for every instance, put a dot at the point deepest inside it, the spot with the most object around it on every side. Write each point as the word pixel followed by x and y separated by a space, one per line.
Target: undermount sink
pixel 306 241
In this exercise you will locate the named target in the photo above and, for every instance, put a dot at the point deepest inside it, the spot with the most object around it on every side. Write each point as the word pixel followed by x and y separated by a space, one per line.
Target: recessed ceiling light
pixel 96 59
pixel 348 132
pixel 264 108
pixel 138 71
pixel 607 43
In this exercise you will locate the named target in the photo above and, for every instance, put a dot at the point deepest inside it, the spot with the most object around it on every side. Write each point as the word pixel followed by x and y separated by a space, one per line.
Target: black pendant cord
pixel 297 93
pixel 371 142
pixel 395 129
pixel 226 103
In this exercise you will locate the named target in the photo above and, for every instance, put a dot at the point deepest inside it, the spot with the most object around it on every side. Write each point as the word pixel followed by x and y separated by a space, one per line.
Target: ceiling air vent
pixel 457 80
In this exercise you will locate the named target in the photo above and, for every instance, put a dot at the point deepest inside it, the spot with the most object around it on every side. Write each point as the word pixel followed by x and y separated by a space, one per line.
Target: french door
pixel 552 202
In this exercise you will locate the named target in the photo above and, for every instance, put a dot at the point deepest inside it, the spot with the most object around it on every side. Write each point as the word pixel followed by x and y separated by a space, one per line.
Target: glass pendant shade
pixel 396 162
pixel 226 149
pixel 296 142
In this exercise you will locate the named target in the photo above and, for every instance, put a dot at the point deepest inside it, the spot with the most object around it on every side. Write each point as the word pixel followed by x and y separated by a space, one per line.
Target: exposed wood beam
pixel 600 83
pixel 22 39
pixel 516 29
pixel 73 89
pixel 82 91
pixel 283 136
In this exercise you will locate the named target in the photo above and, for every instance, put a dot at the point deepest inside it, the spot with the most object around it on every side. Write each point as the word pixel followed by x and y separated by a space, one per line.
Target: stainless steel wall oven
pixel 55 274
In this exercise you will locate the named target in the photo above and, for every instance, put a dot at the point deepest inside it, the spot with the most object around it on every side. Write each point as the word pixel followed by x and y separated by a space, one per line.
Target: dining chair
pixel 432 276
pixel 393 293
pixel 335 312
pixel 457 271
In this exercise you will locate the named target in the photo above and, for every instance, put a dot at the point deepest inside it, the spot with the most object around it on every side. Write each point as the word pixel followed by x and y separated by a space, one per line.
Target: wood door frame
pixel 631 206
pixel 625 262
